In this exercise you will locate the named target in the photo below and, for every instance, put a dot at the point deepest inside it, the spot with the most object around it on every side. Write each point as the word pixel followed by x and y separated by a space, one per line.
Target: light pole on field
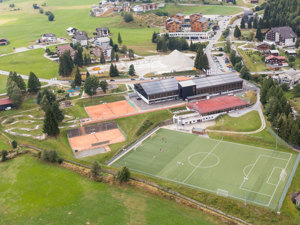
pixel 178 167
pixel 276 128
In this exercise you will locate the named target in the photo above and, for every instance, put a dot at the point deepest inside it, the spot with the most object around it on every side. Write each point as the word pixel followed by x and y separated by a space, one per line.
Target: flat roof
pixel 216 104
pixel 160 86
pixel 187 83
pixel 215 80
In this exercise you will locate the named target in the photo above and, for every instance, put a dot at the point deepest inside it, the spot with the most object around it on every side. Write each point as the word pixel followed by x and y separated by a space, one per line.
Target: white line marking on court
pixel 250 170
pixel 202 161
pixel 244 170
pixel 272 174
pixel 279 182
pixel 259 193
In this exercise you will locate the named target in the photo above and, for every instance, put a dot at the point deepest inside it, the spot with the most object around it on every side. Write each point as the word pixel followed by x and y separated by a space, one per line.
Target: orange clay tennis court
pixel 96 140
pixel 110 110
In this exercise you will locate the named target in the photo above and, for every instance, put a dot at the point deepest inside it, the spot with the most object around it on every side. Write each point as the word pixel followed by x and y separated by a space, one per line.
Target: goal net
pixel 283 175
pixel 222 192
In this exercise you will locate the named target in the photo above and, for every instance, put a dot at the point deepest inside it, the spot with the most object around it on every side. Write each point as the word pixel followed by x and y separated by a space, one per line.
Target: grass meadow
pixel 43 193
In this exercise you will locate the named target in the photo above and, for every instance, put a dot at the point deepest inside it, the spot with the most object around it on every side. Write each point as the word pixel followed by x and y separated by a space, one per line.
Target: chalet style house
pixel 284 36
pixel 3 41
pixel 80 37
pixel 48 38
pixel 61 49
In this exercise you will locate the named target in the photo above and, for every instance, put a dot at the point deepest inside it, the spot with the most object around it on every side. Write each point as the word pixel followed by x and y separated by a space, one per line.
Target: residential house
pixel 126 6
pixel 290 77
pixel 116 9
pixel 3 41
pixel 179 16
pixel 61 49
pixel 48 38
pixel 199 25
pixel 81 38
pixel 173 25
pixel 284 36
pixel 291 52
pixel 276 60
pixel 97 11
pixel 5 104
pixel 71 31
pixel 264 46
pixel 248 15
pixel 194 17
pixel 274 52
pixel 102 32
pixel 102 45
pixel 137 9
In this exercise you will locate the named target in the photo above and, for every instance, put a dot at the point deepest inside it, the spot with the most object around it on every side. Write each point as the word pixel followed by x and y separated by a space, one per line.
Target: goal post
pixel 222 192
pixel 283 174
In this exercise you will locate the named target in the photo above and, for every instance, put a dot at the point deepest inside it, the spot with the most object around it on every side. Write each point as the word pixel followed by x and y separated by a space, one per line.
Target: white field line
pixel 197 187
pixel 279 182
pixel 202 161
pixel 250 170
pixel 272 174
pixel 259 193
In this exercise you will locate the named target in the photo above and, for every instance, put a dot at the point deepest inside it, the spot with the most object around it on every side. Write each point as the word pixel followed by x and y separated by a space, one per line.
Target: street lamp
pixel 178 167
pixel 276 128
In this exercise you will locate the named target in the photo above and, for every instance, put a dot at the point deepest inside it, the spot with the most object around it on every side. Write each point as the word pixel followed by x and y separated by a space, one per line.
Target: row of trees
pixel 16 87
pixel 201 60
pixel 279 111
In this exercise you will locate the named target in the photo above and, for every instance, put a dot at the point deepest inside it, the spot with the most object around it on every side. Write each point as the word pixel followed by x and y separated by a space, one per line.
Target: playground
pixel 247 173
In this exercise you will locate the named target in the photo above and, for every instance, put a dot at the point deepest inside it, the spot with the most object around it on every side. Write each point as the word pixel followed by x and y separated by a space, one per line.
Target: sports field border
pixel 143 138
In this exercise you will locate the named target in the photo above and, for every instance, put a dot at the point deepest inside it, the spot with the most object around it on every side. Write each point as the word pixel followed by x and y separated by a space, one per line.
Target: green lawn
pixel 3 80
pixel 30 61
pixel 248 122
pixel 213 165
pixel 46 194
pixel 204 9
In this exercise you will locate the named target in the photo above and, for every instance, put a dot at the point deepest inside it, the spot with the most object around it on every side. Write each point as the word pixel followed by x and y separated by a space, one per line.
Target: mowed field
pixel 228 169
pixel 34 192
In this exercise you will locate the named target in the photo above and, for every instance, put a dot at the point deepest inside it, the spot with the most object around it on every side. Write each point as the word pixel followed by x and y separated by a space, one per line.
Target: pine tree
pixel 123 175
pixel 59 116
pixel 16 96
pixel 34 84
pixel 131 71
pixel 78 59
pixel 117 58
pixel 66 64
pixel 45 104
pixel 20 82
pixel 112 70
pixel 112 55
pixel 255 21
pixel 131 54
pixel 237 32
pixel 50 124
pixel 111 43
pixel 102 58
pixel 95 169
pixel 119 38
pixel 77 79
pixel 259 35
pixel 243 24
pixel 250 24
pixel 87 74
pixel 116 71
pixel 154 37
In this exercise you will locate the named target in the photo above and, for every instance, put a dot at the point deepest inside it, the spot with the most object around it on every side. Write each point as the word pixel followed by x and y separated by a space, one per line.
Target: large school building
pixel 198 88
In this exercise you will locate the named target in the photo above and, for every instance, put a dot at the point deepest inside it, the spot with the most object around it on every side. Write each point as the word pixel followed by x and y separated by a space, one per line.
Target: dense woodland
pixel 279 112
pixel 281 13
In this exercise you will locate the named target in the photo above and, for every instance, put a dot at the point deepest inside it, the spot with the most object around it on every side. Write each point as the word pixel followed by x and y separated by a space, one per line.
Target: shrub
pixel 123 174
pixel 144 127
pixel 49 156
pixel 127 17
pixel 95 169
pixel 4 154
pixel 60 160
pixel 14 144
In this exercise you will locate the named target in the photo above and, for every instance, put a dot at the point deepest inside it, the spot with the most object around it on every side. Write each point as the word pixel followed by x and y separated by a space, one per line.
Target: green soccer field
pixel 247 173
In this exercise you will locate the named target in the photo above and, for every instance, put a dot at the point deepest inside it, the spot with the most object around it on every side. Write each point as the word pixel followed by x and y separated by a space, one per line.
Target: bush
pixel 49 156
pixel 123 175
pixel 14 144
pixel 60 160
pixel 95 169
pixel 144 127
pixel 4 154
pixel 60 91
pixel 128 17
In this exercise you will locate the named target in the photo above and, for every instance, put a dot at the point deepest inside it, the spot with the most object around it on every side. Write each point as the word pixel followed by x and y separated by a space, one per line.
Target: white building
pixel 80 37
pixel 71 31
pixel 48 38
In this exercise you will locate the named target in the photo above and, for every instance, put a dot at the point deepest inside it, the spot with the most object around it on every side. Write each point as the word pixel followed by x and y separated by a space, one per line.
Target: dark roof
pixel 102 29
pixel 3 39
pixel 285 32
pixel 160 86
pixel 5 101
pixel 49 35
pixel 80 35
pixel 215 80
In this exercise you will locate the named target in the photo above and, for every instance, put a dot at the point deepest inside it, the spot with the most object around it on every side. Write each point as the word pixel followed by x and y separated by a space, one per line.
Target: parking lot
pixel 223 63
